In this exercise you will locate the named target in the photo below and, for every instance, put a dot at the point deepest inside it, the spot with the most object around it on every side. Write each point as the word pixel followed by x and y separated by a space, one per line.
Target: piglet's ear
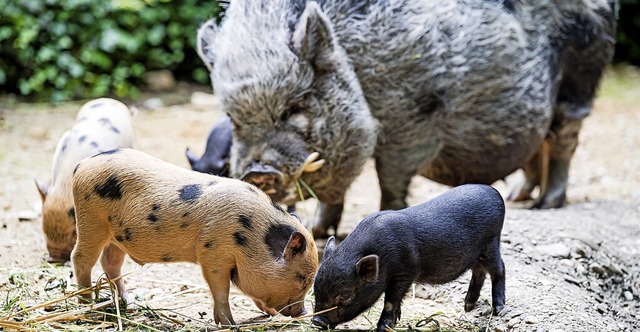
pixel 367 268
pixel 313 37
pixel 206 36
pixel 329 247
pixel 297 245
pixel 43 189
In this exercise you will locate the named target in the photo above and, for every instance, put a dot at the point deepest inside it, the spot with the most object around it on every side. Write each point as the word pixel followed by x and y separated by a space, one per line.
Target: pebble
pixel 500 328
pixel 153 103
pixel 532 320
pixel 513 322
pixel 595 267
pixel 203 99
pixel 160 80
pixel 628 296
pixel 555 250
pixel 557 330
pixel 27 216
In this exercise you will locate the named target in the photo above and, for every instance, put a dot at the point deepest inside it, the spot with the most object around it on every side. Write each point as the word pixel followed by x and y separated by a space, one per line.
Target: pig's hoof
pixel 519 195
pixel 469 306
pixel 497 309
pixel 547 202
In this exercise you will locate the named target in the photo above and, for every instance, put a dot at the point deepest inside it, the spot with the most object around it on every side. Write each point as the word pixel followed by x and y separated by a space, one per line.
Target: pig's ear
pixel 206 36
pixel 313 37
pixel 191 157
pixel 329 247
pixel 297 245
pixel 367 268
pixel 43 189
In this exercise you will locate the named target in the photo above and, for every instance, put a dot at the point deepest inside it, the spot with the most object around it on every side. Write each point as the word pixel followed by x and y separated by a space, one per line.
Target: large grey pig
pixel 459 91
pixel 101 124
pixel 128 202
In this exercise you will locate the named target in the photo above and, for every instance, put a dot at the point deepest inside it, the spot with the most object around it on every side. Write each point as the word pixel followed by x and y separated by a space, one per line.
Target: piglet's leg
pixel 111 261
pixel 91 240
pixel 392 300
pixel 497 273
pixel 219 283
pixel 478 275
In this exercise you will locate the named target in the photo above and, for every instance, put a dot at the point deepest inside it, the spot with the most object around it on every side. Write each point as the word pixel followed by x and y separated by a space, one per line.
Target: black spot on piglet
pixel 277 237
pixel 110 189
pixel 241 240
pixel 190 192
pixel 152 217
pixel 245 221
pixel 112 151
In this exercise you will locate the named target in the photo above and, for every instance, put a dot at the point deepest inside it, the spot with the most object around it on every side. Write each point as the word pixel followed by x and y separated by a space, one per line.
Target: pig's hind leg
pixel 489 262
pixel 92 238
pixel 111 261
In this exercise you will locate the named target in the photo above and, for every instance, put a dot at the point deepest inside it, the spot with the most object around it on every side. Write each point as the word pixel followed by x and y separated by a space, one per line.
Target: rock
pixel 153 103
pixel 557 330
pixel 581 269
pixel 204 100
pixel 160 80
pixel 531 320
pixel 500 328
pixel 513 322
pixel 27 215
pixel 555 250
pixel 628 296
pixel 595 267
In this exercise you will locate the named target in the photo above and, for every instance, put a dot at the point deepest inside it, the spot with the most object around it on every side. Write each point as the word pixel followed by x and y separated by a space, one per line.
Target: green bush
pixel 628 43
pixel 63 49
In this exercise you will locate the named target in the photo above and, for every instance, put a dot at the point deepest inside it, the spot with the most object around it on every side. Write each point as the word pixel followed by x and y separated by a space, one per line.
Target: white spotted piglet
pixel 101 124
pixel 128 202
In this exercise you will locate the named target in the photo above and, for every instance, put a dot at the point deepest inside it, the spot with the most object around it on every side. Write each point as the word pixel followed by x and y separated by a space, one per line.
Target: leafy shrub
pixel 628 43
pixel 63 49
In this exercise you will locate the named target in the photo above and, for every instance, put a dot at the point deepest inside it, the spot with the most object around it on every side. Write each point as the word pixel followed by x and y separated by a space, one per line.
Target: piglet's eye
pixel 345 296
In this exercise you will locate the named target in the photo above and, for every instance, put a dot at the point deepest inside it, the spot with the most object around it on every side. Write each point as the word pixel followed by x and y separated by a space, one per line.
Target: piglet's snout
pixel 320 321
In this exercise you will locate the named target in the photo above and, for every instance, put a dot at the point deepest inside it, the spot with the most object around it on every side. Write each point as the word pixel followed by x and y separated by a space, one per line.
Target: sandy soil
pixel 571 269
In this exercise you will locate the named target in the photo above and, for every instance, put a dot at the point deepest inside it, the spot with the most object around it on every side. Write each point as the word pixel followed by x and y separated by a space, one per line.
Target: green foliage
pixel 628 43
pixel 63 49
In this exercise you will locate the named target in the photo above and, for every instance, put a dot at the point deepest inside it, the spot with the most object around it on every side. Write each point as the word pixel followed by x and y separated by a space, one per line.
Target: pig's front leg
pixel 328 216
pixel 396 289
pixel 219 283
pixel 394 181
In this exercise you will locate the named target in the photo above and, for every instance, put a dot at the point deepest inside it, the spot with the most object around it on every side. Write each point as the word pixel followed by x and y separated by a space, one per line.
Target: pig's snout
pixel 320 321
pixel 265 177
pixel 294 311
pixel 58 256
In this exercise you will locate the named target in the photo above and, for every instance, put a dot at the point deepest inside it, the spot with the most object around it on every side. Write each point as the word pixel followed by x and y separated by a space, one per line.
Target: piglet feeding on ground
pixel 433 243
pixel 128 202
pixel 101 124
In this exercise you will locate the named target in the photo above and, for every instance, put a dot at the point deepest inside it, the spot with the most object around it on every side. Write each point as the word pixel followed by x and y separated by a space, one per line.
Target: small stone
pixel 532 320
pixel 160 80
pixel 557 330
pixel 628 296
pixel 595 267
pixel 513 322
pixel 500 328
pixel 204 100
pixel 581 269
pixel 555 250
pixel 153 103
pixel 27 216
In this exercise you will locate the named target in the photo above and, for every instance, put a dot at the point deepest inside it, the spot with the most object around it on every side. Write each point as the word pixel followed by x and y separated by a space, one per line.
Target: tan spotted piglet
pixel 128 202
pixel 101 124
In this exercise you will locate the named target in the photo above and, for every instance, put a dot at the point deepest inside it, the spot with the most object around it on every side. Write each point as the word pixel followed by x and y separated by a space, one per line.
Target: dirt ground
pixel 571 269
